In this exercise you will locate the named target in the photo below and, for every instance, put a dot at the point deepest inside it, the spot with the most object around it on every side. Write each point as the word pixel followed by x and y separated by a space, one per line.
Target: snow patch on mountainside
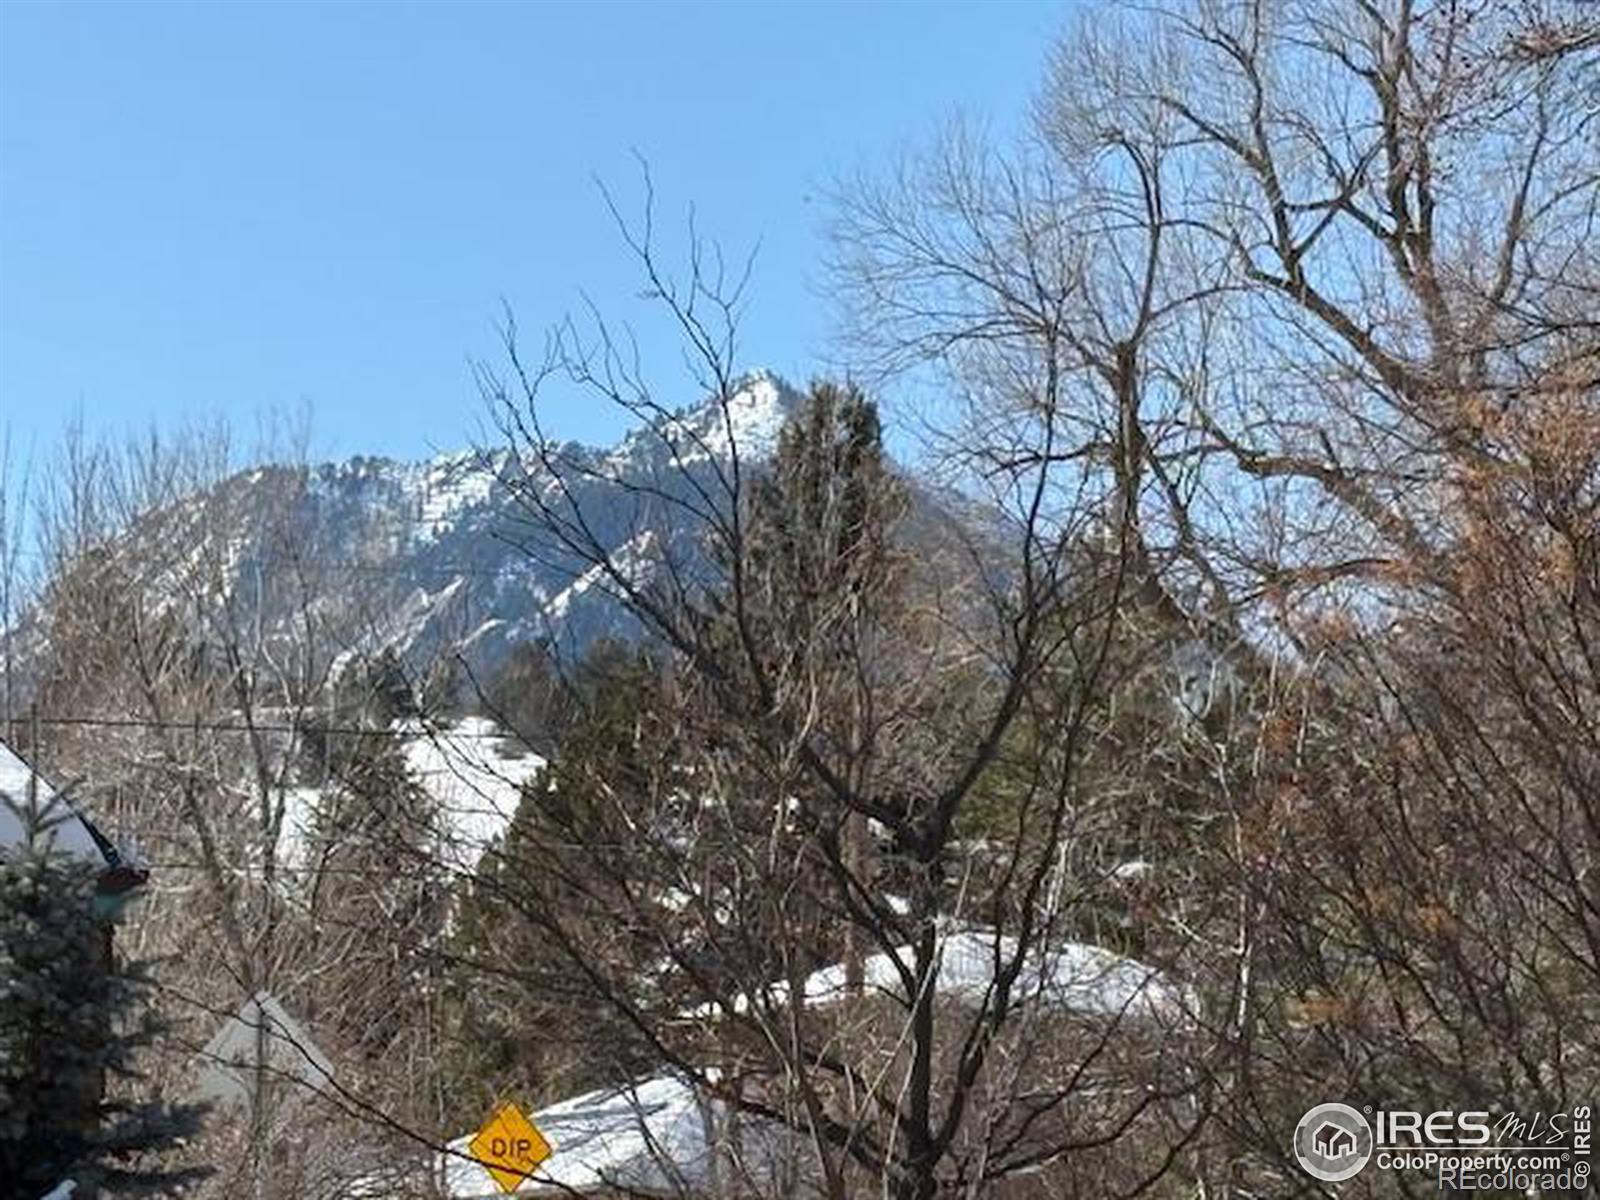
pixel 447 556
pixel 632 560
pixel 750 422
pixel 450 485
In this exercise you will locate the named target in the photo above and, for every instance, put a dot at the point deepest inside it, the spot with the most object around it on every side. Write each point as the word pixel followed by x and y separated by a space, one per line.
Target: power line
pixel 262 727
pixel 357 568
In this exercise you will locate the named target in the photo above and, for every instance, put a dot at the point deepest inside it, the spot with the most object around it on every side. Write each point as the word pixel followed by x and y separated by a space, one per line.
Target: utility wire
pixel 442 734
pixel 286 563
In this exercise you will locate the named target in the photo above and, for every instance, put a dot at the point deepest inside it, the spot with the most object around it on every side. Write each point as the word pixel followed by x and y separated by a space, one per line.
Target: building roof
pixel 656 1138
pixel 653 1138
pixel 25 794
pixel 1066 977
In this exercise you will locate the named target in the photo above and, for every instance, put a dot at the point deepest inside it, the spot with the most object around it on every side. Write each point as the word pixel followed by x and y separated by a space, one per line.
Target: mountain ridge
pixel 444 538
pixel 436 563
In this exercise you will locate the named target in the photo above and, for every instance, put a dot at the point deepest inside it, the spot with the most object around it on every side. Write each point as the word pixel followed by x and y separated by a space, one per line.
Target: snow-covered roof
pixel 651 1138
pixel 475 781
pixel 473 777
pixel 657 1138
pixel 1070 977
pixel 25 794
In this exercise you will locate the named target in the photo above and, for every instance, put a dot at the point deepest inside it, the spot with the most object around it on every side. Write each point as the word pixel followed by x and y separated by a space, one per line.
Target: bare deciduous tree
pixel 831 663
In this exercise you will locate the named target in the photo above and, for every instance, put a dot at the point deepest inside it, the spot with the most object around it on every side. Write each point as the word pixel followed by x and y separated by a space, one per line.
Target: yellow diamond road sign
pixel 509 1147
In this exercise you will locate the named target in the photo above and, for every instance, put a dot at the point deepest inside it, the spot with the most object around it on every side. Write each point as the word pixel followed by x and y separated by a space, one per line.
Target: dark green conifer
pixel 72 1021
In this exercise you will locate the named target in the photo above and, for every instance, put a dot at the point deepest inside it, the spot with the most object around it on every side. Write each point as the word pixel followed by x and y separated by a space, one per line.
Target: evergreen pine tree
pixel 821 519
pixel 71 1023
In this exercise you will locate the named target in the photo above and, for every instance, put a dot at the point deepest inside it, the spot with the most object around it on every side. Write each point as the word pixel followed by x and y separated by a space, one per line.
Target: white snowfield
pixel 1068 977
pixel 26 799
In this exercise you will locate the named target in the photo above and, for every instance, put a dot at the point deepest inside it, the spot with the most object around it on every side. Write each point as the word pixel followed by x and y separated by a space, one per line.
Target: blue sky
pixel 234 208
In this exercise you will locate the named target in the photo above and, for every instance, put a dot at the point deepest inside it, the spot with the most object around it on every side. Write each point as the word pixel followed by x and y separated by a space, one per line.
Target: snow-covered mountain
pixel 444 554
pixel 442 560
pixel 418 558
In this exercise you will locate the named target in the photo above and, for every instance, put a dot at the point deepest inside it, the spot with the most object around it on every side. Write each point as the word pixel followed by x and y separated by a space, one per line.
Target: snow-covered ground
pixel 654 1138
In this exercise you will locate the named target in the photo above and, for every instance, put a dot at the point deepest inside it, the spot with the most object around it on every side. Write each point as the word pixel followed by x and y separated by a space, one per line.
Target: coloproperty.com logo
pixel 1333 1142
pixel 1461 1150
